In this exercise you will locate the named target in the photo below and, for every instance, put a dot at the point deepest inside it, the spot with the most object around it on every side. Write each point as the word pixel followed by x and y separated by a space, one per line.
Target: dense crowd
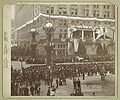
pixel 41 60
pixel 27 81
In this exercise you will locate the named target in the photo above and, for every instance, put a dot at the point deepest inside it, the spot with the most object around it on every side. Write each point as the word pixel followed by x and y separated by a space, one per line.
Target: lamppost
pixel 49 28
pixel 33 44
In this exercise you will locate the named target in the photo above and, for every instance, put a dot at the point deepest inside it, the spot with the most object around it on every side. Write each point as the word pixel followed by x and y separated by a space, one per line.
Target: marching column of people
pixel 28 80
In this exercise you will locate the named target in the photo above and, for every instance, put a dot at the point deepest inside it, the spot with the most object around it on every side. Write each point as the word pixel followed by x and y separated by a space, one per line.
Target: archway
pixel 102 50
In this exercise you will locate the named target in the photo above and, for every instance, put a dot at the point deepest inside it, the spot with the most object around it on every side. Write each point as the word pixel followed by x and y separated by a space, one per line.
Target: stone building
pixel 90 21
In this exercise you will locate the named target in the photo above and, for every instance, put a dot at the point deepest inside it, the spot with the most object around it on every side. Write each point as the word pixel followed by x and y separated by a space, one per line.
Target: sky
pixel 12 11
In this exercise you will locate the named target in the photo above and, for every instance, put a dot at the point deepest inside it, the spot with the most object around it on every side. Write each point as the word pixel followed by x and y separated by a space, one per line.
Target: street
pixel 107 86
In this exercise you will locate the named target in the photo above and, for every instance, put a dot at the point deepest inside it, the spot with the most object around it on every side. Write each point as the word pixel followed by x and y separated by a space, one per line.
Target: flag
pixel 69 32
pixel 100 32
pixel 70 48
pixel 76 45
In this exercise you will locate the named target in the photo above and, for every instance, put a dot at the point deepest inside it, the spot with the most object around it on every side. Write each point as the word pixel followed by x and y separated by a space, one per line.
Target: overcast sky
pixel 12 11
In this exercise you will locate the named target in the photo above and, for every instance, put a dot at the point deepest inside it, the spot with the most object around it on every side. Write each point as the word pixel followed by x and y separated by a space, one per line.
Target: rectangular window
pixel 64 11
pixel 105 14
pixel 60 10
pixel 47 11
pixel 97 15
pixel 87 12
pixel 60 13
pixel 87 5
pixel 108 6
pixel 103 29
pixel 94 13
pixel 98 12
pixel 72 11
pixel 98 6
pixel 104 6
pixel 76 11
pixel 52 10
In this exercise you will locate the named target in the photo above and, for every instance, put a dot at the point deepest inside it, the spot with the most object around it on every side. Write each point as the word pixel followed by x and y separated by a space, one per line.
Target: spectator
pixel 48 91
pixel 79 85
pixel 74 83
pixel 57 82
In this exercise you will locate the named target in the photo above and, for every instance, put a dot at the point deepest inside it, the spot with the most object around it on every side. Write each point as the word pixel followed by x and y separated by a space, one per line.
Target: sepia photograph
pixel 63 49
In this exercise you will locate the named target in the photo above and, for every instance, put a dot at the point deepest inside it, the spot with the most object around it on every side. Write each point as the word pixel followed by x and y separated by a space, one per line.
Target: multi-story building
pixel 83 17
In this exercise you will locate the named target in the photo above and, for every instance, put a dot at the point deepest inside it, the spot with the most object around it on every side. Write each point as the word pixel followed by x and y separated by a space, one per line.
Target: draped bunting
pixel 76 44
pixel 69 32
pixel 102 32
pixel 70 48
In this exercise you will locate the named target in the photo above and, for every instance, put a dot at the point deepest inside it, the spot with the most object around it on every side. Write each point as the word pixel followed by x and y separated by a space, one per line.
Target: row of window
pixel 104 6
pixel 96 13
pixel 106 14
pixel 86 12
pixel 61 46
pixel 96 6
pixel 74 11
pixel 79 22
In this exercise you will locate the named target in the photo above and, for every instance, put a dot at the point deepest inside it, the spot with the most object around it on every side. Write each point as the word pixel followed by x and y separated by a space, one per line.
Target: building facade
pixel 86 19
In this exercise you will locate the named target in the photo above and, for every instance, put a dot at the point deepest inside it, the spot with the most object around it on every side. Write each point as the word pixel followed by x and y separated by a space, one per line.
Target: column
pixel 82 34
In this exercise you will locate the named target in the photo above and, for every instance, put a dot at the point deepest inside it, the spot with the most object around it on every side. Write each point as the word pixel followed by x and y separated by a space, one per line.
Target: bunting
pixel 70 48
pixel 76 44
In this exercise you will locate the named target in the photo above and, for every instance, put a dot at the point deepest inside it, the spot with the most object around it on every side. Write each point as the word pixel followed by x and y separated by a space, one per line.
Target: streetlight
pixel 49 28
pixel 33 44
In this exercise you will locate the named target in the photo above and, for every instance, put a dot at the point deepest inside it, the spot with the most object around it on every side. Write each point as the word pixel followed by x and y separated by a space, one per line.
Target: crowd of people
pixel 42 60
pixel 27 81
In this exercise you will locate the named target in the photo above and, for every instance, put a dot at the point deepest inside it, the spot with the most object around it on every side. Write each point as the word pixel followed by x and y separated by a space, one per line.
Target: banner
pixel 70 48
pixel 69 32
pixel 76 44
